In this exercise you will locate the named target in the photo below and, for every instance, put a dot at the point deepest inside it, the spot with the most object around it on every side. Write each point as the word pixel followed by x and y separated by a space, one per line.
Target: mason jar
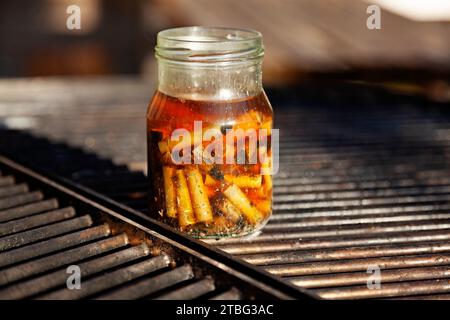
pixel 209 129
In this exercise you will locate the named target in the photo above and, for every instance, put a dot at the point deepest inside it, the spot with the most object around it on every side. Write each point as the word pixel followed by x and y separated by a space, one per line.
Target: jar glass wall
pixel 209 133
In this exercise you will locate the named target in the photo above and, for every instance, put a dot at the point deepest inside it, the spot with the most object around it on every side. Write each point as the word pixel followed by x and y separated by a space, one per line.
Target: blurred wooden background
pixel 322 35
pixel 301 37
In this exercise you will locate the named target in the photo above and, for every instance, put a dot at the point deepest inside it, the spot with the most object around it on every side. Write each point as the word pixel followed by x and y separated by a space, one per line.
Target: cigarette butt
pixel 205 167
pixel 169 192
pixel 240 201
pixel 245 181
pixel 257 193
pixel 229 210
pixel 252 154
pixel 210 181
pixel 199 196
pixel 268 126
pixel 184 206
pixel 163 147
pixel 222 224
pixel 250 120
pixel 246 125
pixel 266 161
pixel 267 182
pixel 264 206
pixel 256 115
pixel 166 158
pixel 210 192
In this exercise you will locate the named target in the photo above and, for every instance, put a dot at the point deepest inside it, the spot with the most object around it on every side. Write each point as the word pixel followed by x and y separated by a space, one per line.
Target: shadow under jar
pixel 209 133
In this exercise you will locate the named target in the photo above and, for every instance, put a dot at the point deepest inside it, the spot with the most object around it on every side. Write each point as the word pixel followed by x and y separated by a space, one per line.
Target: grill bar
pixel 360 264
pixel 437 207
pixel 231 294
pixel 29 209
pixel 362 202
pixel 388 290
pixel 54 244
pixel 289 245
pixel 308 185
pixel 337 231
pixel 345 279
pixel 190 291
pixel 346 253
pixel 112 279
pixel 26 237
pixel 408 191
pixel 59 278
pixel 40 265
pixel 13 190
pixel 375 219
pixel 6 181
pixel 36 221
pixel 148 286
pixel 20 199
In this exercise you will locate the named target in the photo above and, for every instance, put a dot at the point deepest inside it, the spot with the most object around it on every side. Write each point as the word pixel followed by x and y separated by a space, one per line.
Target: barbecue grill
pixel 44 230
pixel 364 182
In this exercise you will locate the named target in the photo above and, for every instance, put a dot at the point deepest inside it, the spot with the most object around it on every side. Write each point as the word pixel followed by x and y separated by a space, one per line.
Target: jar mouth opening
pixel 209 34
pixel 209 44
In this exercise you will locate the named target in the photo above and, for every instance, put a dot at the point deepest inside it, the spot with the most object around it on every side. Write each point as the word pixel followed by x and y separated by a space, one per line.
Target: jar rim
pixel 209 44
pixel 209 34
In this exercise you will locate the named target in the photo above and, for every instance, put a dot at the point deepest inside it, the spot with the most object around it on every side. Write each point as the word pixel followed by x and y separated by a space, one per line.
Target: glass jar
pixel 209 133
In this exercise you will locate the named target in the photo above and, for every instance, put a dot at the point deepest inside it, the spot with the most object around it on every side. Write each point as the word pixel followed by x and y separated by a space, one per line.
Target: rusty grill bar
pixel 364 181
pixel 41 236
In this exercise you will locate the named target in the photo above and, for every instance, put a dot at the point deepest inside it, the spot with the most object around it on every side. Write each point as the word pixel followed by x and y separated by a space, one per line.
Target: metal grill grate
pixel 359 190
pixel 364 181
pixel 41 236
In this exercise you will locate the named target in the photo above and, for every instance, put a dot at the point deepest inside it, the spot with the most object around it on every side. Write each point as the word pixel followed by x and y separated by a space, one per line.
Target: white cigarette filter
pixel 199 196
pixel 240 200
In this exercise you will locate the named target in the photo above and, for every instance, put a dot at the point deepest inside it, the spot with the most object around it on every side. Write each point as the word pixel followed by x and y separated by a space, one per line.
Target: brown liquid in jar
pixel 207 200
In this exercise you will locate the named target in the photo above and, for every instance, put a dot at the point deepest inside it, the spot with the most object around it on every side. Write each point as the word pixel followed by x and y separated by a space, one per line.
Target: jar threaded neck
pixel 209 46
